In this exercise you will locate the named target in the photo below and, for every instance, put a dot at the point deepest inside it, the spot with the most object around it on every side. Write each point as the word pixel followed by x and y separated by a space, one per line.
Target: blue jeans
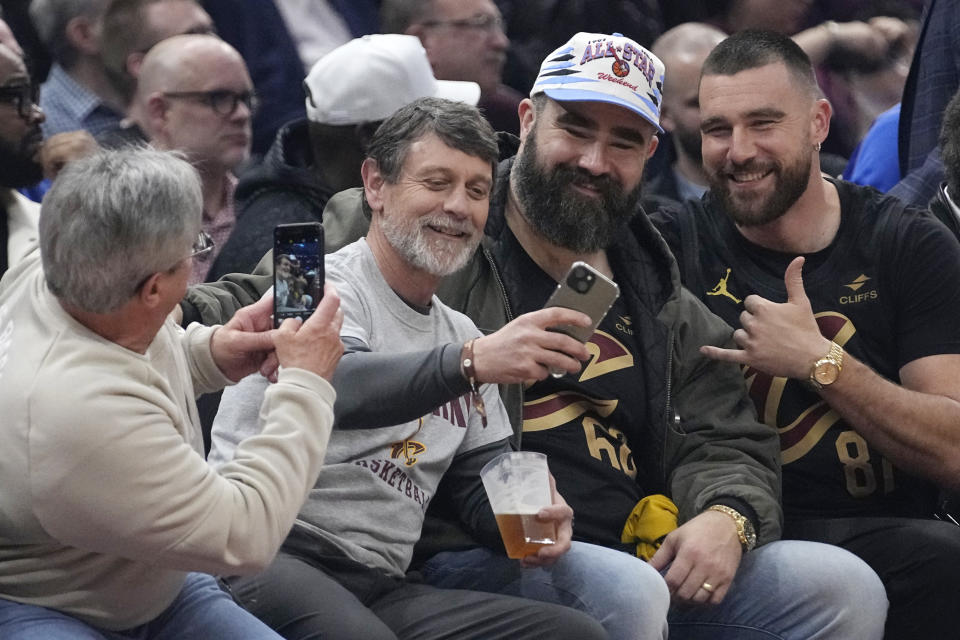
pixel 201 611
pixel 786 590
pixel 920 576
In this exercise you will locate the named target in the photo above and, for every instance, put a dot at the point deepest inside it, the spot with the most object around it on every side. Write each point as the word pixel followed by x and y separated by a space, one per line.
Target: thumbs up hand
pixel 781 339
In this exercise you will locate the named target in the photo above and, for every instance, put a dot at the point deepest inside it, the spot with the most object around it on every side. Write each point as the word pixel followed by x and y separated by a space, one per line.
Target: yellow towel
pixel 648 524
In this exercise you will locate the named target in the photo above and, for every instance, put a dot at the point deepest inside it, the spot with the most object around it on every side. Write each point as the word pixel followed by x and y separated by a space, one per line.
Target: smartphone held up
pixel 586 290
pixel 298 273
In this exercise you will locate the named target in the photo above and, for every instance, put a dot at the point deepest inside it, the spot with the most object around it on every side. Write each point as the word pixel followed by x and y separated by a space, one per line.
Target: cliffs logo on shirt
pixel 721 289
pixel 861 289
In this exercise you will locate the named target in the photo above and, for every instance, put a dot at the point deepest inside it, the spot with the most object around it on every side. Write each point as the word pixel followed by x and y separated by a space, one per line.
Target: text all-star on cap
pixel 368 78
pixel 604 68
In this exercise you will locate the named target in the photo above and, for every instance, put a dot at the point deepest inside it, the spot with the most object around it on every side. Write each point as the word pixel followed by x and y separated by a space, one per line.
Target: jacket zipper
pixel 506 306
pixel 672 422
pixel 500 286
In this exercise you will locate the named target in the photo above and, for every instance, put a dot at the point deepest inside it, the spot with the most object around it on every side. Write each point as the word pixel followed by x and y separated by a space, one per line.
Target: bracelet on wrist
pixel 469 369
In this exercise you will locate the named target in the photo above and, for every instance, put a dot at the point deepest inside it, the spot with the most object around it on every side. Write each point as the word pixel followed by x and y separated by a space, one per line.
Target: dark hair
pixel 950 146
pixel 754 48
pixel 458 125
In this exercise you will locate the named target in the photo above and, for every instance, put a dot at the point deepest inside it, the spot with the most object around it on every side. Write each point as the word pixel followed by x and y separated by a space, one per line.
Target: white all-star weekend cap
pixel 368 78
pixel 604 68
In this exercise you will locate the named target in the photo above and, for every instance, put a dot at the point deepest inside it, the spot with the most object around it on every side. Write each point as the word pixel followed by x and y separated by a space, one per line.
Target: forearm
pixel 466 492
pixel 918 432
pixel 383 389
pixel 216 302
pixel 172 509
pixel 207 377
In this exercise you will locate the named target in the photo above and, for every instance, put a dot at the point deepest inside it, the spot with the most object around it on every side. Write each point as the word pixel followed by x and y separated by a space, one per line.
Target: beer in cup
pixel 518 486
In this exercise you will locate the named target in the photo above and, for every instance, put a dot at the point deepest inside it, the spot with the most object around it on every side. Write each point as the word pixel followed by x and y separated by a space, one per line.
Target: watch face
pixel 826 372
pixel 749 533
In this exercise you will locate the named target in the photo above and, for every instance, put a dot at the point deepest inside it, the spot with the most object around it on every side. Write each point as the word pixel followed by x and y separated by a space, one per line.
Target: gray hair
pixel 397 15
pixel 112 220
pixel 50 18
pixel 459 125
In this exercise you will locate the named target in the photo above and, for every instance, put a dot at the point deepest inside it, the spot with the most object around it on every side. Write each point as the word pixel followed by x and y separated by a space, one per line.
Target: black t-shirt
pixel 884 289
pixel 587 424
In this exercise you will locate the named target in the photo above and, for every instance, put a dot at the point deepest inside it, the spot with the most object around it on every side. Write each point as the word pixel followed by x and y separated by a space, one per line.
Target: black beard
pixel 791 182
pixel 563 216
pixel 17 166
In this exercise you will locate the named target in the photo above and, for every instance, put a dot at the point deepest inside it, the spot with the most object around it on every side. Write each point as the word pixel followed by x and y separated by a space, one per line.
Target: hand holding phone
pixel 298 272
pixel 586 290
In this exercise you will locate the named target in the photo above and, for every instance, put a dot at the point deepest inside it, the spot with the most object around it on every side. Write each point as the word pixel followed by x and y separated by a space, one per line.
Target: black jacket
pixel 283 188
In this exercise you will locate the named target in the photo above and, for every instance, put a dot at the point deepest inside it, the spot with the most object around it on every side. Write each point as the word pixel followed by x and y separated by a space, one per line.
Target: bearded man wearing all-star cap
pixel 648 414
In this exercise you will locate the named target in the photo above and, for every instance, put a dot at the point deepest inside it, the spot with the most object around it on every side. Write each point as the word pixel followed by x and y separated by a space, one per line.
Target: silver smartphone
pixel 587 290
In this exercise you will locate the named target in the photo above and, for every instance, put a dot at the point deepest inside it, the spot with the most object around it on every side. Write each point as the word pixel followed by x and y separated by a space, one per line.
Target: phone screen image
pixel 298 273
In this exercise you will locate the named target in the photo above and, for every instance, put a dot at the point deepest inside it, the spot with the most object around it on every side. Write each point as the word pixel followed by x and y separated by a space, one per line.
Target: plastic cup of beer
pixel 518 486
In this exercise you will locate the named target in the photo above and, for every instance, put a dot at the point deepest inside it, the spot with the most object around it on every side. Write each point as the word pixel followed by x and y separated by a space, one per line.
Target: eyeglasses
pixel 202 245
pixel 478 22
pixel 24 97
pixel 223 101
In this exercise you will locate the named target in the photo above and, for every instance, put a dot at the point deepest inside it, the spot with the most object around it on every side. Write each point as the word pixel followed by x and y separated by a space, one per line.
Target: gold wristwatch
pixel 826 370
pixel 745 530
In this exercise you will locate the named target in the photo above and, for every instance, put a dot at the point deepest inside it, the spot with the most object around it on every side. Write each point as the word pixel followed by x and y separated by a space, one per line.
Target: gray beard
pixel 438 258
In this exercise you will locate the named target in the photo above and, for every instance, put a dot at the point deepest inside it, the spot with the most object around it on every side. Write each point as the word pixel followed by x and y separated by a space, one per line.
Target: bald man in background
pixel 682 50
pixel 195 95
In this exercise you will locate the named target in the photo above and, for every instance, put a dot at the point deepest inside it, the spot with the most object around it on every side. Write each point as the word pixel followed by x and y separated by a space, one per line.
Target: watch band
pixel 745 530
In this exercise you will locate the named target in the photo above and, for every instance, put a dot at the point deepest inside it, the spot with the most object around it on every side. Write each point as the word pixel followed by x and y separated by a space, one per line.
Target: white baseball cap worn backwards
pixel 368 78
